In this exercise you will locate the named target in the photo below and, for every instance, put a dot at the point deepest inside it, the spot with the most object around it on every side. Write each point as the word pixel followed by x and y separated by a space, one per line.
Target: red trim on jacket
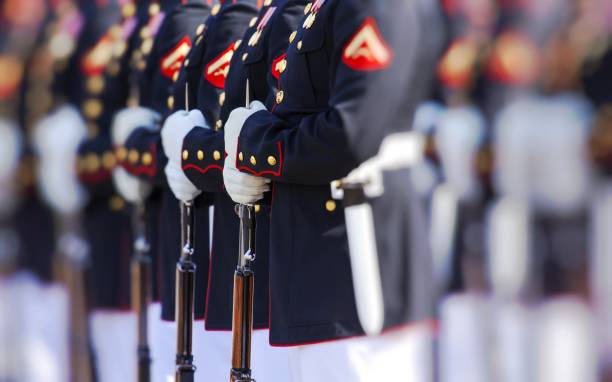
pixel 265 172
pixel 96 177
pixel 140 170
pixel 200 169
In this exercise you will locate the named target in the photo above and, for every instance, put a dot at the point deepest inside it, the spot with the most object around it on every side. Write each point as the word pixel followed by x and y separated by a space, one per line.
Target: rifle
pixel 71 264
pixel 185 288
pixel 141 291
pixel 244 281
pixel 244 278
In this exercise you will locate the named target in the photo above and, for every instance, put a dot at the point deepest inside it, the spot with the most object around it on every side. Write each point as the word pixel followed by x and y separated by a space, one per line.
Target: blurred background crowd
pixel 515 174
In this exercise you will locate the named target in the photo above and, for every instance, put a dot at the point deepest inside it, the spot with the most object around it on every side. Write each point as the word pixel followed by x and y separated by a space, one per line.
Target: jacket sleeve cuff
pixel 203 158
pixel 95 162
pixel 258 152
pixel 143 156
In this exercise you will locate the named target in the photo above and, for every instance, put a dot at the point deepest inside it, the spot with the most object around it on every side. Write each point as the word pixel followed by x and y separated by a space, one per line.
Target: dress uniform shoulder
pixel 232 13
pixel 181 22
pixel 223 38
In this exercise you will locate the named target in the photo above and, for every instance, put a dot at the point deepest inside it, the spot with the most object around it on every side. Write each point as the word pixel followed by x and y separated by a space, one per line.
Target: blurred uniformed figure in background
pixel 544 180
pixel 534 239
pixel 459 201
pixel 163 44
pixel 75 135
pixel 31 306
pixel 46 92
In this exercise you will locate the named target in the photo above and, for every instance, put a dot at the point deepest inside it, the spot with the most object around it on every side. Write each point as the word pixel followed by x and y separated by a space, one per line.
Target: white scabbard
pixel 397 151
pixel 364 267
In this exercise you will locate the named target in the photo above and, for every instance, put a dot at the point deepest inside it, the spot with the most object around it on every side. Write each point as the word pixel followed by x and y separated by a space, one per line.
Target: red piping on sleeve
pixel 200 169
pixel 96 177
pixel 140 170
pixel 266 172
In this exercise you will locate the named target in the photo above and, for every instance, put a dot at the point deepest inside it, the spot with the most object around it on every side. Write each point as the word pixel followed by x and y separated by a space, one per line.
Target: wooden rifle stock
pixel 141 293
pixel 184 304
pixel 244 279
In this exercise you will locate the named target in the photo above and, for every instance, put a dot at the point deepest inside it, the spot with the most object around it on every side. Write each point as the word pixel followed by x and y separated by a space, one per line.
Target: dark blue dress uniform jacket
pixel 99 90
pixel 210 64
pixel 27 229
pixel 149 88
pixel 173 43
pixel 354 72
pixel 150 19
pixel 264 42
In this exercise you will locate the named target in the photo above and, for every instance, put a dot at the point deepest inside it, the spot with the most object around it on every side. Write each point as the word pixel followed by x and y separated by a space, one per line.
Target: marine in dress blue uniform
pixel 99 91
pixel 216 38
pixel 26 228
pixel 99 87
pixel 264 42
pixel 161 45
pixel 24 100
pixel 342 90
pixel 170 40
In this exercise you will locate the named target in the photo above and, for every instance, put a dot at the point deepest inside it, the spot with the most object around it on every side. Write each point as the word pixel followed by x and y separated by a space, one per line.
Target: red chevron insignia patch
pixel 216 71
pixel 367 50
pixel 172 62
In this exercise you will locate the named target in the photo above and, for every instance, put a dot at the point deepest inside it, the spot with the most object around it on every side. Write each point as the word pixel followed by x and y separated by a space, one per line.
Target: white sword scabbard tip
pixel 365 267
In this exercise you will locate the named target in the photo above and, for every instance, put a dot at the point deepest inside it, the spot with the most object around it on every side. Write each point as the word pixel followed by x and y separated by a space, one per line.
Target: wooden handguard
pixel 242 326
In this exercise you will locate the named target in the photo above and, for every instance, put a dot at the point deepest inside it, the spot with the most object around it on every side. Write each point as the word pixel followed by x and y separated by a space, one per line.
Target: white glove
pixel 131 188
pixel 56 139
pixel 131 118
pixel 242 188
pixel 234 124
pixel 181 186
pixel 397 151
pixel 176 127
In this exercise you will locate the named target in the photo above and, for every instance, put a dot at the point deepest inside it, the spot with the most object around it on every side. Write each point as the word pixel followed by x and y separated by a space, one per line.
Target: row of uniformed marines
pixel 334 77
pixel 159 89
pixel 320 89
